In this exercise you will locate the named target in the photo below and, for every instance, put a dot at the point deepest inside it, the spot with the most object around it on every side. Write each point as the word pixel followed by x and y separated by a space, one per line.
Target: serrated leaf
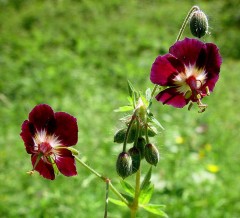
pixel 154 120
pixel 146 194
pixel 124 108
pixel 155 209
pixel 117 202
pixel 127 187
pixel 146 180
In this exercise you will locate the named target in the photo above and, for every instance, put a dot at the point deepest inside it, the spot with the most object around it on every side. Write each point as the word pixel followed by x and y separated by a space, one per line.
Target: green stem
pixel 90 169
pixel 115 191
pixel 134 206
pixel 128 131
pixel 194 8
pixel 106 199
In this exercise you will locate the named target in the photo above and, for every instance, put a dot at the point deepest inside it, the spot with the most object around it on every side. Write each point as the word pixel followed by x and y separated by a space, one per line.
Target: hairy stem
pixel 134 206
pixel 194 8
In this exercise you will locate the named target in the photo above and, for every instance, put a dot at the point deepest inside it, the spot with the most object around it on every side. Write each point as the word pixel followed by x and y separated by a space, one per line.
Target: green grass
pixel 77 56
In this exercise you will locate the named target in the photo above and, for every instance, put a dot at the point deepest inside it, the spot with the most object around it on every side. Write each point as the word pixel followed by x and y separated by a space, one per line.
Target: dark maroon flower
pixel 47 136
pixel 189 71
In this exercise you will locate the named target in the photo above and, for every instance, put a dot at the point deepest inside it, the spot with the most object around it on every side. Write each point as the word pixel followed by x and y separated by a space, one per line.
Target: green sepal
pixel 127 188
pixel 155 209
pixel 55 168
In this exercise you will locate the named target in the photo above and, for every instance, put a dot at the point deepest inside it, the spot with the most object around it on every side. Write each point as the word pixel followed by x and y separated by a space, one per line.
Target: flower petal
pixel 164 69
pixel 170 96
pixel 66 128
pixel 42 116
pixel 46 170
pixel 66 163
pixel 187 50
pixel 27 136
pixel 213 64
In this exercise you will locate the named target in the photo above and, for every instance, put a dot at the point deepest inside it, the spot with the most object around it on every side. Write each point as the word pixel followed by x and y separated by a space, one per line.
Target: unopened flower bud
pixel 141 142
pixel 199 24
pixel 151 154
pixel 136 158
pixel 120 135
pixel 124 165
pixel 152 131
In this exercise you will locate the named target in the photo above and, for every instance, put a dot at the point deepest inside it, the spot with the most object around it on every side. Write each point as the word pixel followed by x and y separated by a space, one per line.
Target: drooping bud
pixel 141 146
pixel 198 24
pixel 152 131
pixel 136 158
pixel 120 135
pixel 124 165
pixel 151 154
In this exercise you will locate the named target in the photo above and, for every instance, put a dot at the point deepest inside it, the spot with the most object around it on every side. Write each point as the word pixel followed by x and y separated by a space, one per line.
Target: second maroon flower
pixel 47 135
pixel 189 72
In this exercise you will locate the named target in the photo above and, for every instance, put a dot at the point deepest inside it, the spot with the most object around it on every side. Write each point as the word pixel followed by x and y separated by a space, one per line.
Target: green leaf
pixel 127 187
pixel 128 198
pixel 117 202
pixel 131 89
pixel 146 194
pixel 155 209
pixel 133 93
pixel 124 109
pixel 146 180
pixel 154 120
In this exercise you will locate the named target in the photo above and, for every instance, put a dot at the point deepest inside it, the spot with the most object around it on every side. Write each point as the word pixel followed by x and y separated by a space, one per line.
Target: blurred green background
pixel 77 56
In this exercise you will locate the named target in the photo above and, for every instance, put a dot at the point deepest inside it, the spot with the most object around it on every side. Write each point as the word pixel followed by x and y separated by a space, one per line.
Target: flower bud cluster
pixel 136 132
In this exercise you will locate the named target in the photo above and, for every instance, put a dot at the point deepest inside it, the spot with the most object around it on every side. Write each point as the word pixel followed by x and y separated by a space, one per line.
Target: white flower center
pixel 43 137
pixel 181 80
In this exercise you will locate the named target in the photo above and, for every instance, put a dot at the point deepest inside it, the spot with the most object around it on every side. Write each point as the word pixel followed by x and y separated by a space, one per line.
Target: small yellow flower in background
pixel 208 147
pixel 179 140
pixel 212 168
pixel 201 154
